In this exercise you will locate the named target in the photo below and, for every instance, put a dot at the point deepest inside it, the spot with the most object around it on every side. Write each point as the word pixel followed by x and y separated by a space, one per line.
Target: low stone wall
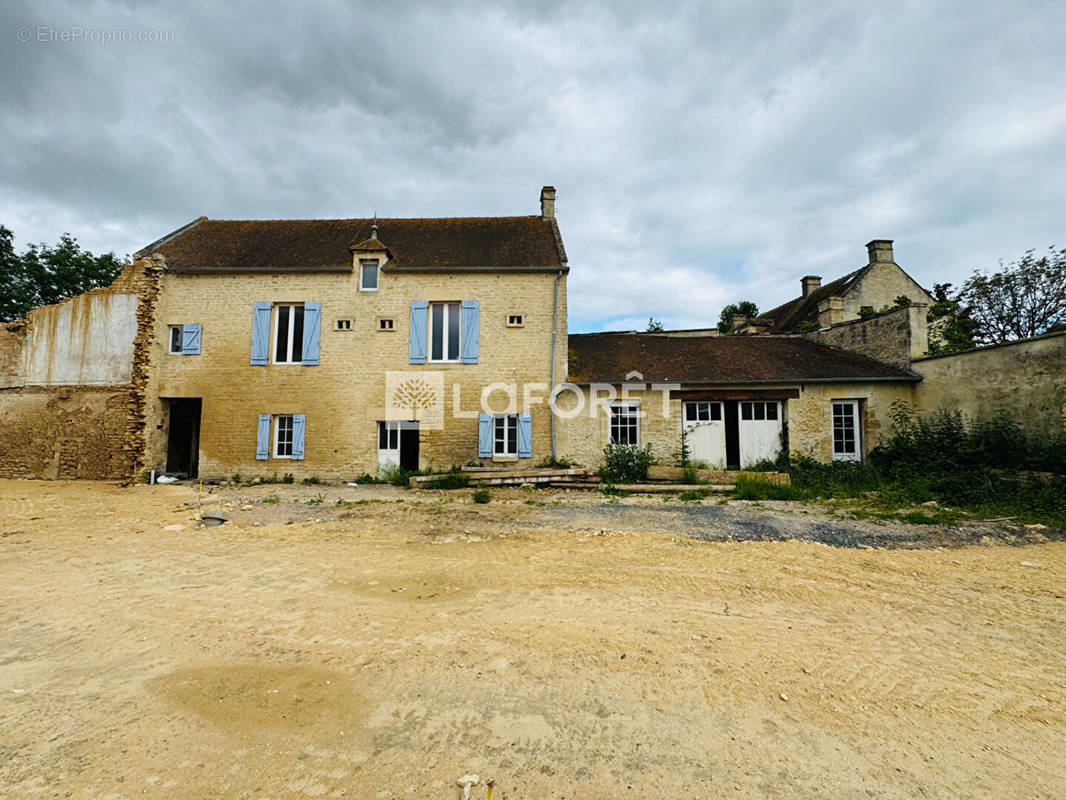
pixel 894 337
pixel 62 432
pixel 1026 379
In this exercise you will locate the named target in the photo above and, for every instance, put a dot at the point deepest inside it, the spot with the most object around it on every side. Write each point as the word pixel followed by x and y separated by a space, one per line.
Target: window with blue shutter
pixel 261 334
pixel 525 435
pixel 190 339
pixel 312 328
pixel 469 340
pixel 417 343
pixel 262 443
pixel 299 429
pixel 484 435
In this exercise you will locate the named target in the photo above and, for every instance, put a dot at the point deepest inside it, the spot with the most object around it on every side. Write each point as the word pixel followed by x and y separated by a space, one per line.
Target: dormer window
pixel 368 275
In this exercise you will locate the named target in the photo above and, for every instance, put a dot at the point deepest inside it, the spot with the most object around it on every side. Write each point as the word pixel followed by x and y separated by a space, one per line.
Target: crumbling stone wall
pixel 60 432
pixel 54 426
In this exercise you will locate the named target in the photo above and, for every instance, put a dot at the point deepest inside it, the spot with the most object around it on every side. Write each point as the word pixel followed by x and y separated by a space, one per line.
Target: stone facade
pixel 807 419
pixel 343 397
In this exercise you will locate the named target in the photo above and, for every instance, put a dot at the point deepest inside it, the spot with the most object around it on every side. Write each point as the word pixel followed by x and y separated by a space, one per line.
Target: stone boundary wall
pixel 894 336
pixel 1026 379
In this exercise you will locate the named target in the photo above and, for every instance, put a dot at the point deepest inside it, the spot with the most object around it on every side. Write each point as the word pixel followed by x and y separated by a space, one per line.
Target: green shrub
pixel 235 479
pixel 314 480
pixel 397 475
pixel 693 495
pixel 626 463
pixel 482 495
pixel 286 478
pixel 367 478
pixel 690 475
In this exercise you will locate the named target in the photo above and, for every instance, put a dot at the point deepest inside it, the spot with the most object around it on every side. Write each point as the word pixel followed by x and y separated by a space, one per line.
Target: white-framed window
pixel 758 410
pixel 283 436
pixel 388 436
pixel 343 325
pixel 700 411
pixel 847 433
pixel 505 435
pixel 444 325
pixel 624 425
pixel 514 321
pixel 386 324
pixel 288 333
pixel 174 338
pixel 368 275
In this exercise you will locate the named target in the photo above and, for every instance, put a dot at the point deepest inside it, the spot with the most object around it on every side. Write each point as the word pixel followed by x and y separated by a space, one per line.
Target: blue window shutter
pixel 312 327
pixel 299 428
pixel 468 343
pixel 262 443
pixel 190 339
pixel 525 435
pixel 484 435
pixel 261 334
pixel 417 343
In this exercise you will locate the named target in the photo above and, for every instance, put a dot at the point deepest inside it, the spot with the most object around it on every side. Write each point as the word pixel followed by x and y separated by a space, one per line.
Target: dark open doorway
pixel 183 441
pixel 732 435
pixel 409 448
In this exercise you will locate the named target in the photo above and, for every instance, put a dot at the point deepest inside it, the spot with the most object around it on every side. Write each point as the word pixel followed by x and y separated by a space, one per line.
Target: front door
pixel 183 438
pixel 398 445
pixel 705 433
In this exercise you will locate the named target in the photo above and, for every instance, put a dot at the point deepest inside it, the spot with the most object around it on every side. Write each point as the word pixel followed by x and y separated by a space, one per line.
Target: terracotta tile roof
pixel 788 316
pixel 609 357
pixel 325 244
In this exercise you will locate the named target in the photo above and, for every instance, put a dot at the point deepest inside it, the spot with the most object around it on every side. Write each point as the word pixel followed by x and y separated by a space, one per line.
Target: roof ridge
pixel 367 219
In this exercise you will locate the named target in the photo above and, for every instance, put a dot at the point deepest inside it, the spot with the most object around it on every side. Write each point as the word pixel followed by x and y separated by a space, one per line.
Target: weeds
pixel 693 495
pixel 272 499
pixel 482 496
pixel 316 500
pixel 750 487
pixel 314 480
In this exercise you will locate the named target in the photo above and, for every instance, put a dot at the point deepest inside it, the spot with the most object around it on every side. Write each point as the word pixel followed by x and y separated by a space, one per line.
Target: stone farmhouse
pixel 338 347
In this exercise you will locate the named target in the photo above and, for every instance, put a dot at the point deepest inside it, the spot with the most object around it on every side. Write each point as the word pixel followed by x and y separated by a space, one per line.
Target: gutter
pixel 782 382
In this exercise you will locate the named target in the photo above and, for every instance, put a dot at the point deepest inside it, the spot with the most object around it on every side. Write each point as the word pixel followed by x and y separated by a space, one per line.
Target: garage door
pixel 760 431
pixel 705 433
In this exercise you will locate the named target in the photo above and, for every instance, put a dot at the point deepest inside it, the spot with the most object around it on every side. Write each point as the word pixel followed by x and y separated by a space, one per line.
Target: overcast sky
pixel 702 152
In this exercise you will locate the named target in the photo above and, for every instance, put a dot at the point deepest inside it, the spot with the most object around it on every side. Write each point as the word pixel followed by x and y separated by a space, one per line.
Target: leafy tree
pixel 1024 298
pixel 745 307
pixel 951 328
pixel 46 274
pixel 654 325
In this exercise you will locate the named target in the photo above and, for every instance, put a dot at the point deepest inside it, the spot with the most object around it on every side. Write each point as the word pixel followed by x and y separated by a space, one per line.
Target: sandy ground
pixel 561 646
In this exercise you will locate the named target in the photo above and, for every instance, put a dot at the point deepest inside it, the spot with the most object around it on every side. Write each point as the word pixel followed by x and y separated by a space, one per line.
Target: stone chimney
pixel 739 320
pixel 547 202
pixel 830 311
pixel 810 283
pixel 880 251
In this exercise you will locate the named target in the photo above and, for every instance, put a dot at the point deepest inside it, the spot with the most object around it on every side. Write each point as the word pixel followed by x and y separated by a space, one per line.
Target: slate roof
pixel 315 245
pixel 788 316
pixel 609 357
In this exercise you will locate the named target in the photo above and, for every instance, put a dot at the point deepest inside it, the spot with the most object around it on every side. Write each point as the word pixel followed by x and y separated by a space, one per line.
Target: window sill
pixel 504 459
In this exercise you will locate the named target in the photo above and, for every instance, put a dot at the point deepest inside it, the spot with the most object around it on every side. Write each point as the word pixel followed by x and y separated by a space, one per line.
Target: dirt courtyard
pixel 386 648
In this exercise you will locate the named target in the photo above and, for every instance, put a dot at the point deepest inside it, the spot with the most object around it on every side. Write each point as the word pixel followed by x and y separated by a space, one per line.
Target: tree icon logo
pixel 415 396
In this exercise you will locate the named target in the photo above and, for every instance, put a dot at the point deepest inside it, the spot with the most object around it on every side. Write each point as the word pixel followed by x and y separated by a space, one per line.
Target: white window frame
pixel 277 434
pixel 710 406
pixel 450 307
pixel 288 345
pixel 760 407
pixel 510 436
pixel 856 417
pixel 632 420
pixel 363 264
pixel 170 341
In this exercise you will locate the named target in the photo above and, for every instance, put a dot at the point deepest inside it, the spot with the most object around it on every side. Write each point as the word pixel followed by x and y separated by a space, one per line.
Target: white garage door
pixel 760 431
pixel 705 433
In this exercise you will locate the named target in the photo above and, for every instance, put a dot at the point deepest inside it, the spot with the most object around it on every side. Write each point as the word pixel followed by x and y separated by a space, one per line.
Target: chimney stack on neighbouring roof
pixel 739 321
pixel 880 251
pixel 810 283
pixel 547 202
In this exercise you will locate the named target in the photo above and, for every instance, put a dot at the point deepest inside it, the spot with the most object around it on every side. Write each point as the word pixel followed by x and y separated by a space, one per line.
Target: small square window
pixel 368 276
pixel 344 325
pixel 175 339
pixel 514 320
pixel 385 324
